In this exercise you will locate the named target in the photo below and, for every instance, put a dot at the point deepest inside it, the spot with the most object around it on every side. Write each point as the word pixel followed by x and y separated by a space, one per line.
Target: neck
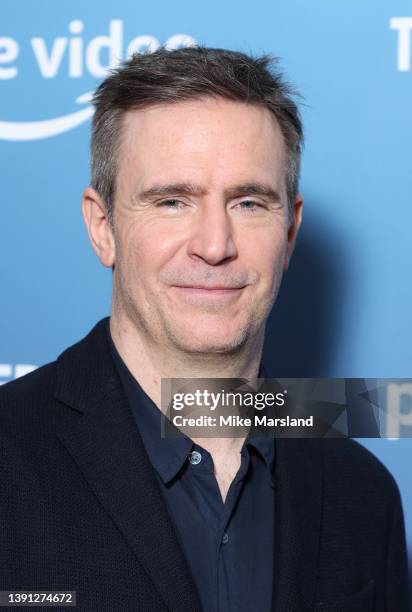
pixel 149 362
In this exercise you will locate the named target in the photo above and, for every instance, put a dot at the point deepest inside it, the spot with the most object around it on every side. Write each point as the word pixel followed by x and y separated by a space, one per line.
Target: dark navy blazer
pixel 81 508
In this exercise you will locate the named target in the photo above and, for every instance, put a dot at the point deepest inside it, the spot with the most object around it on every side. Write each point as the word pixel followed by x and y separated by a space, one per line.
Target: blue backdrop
pixel 344 308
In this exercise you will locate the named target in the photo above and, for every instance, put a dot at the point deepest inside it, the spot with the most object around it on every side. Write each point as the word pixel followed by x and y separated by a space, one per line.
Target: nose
pixel 212 238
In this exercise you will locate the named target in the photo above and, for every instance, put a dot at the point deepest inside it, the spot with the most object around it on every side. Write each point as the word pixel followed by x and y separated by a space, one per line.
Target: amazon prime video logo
pixel 74 56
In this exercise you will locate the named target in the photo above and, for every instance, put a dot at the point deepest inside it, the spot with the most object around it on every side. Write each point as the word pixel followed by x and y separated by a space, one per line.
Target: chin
pixel 196 340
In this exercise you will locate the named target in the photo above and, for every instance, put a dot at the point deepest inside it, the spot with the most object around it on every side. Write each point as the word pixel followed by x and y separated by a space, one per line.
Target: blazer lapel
pixel 298 482
pixel 98 429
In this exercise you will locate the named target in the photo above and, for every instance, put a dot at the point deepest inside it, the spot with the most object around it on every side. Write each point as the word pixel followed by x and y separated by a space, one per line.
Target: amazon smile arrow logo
pixel 80 56
pixel 36 130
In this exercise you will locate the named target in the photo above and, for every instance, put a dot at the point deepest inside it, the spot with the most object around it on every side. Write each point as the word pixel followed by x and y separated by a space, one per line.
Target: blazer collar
pixel 101 435
pixel 99 430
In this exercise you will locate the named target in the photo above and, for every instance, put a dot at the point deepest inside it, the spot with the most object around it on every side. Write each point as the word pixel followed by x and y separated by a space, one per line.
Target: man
pixel 195 206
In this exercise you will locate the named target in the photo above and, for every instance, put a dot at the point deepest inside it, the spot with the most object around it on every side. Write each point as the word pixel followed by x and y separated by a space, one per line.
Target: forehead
pixel 204 139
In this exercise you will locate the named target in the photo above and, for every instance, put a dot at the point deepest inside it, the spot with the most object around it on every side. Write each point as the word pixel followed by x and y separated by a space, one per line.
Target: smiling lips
pixel 214 291
pixel 208 288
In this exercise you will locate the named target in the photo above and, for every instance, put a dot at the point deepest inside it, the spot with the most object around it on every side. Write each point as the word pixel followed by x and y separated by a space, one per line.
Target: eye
pixel 170 203
pixel 250 206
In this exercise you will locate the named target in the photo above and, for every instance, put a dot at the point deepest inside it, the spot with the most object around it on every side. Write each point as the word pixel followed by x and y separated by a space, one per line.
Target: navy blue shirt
pixel 228 545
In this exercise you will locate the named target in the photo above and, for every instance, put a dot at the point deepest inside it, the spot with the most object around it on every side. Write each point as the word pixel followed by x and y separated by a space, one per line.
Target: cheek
pixel 266 255
pixel 144 249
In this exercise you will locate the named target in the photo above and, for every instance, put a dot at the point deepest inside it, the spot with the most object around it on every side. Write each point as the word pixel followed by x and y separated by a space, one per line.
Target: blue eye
pixel 171 203
pixel 249 205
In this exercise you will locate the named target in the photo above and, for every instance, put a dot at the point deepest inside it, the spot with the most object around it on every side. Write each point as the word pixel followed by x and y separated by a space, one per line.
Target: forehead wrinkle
pixel 125 150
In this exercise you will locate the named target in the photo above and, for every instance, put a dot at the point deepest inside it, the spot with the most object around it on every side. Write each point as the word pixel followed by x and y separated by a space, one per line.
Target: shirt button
pixel 225 538
pixel 195 457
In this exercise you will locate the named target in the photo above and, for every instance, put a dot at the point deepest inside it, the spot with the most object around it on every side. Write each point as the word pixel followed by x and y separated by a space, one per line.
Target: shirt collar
pixel 168 454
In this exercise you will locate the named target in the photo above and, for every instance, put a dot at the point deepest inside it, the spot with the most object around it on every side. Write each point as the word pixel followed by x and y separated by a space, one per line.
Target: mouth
pixel 213 291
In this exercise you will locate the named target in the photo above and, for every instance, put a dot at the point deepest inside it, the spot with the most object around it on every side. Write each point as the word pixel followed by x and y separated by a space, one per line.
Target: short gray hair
pixel 169 76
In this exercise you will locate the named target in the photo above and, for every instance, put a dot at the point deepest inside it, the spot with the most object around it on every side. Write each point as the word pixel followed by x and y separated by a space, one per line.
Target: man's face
pixel 200 223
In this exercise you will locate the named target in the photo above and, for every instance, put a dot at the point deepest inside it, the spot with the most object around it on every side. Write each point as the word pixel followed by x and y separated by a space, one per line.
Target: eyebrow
pixel 161 190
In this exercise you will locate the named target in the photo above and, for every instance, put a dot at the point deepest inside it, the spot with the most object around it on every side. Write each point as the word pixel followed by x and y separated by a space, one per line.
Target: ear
pixel 98 227
pixel 294 228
